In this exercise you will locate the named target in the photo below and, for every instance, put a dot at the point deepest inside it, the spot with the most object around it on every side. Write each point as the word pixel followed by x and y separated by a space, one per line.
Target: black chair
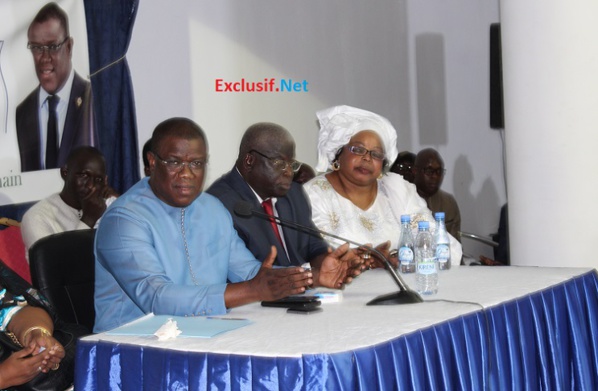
pixel 499 241
pixel 63 269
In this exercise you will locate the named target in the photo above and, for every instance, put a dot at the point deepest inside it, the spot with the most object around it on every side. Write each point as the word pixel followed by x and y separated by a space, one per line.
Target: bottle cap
pixel 423 225
pixel 405 218
pixel 439 215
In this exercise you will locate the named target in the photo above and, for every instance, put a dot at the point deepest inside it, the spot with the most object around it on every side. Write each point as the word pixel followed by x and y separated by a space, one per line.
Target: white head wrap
pixel 339 123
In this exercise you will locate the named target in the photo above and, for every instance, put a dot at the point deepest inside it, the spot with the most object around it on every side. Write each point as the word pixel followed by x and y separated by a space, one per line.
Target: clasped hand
pixel 372 261
pixel 93 206
pixel 50 350
pixel 41 354
pixel 337 267
pixel 331 270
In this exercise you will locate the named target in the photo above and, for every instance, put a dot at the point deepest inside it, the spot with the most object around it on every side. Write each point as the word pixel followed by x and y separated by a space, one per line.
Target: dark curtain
pixel 109 29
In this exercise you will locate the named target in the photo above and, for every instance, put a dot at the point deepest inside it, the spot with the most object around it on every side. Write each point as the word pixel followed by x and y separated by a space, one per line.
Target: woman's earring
pixel 336 165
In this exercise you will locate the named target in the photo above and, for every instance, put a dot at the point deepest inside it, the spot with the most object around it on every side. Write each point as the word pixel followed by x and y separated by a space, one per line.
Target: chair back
pixel 63 269
pixel 12 251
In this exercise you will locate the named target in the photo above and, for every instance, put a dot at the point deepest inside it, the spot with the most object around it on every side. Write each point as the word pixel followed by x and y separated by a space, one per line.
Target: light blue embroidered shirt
pixel 142 266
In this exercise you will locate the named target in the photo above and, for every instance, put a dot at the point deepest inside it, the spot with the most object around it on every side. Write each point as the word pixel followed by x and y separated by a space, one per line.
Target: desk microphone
pixel 403 296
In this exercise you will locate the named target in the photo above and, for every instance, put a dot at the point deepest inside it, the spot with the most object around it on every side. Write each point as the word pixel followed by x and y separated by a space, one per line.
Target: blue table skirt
pixel 544 341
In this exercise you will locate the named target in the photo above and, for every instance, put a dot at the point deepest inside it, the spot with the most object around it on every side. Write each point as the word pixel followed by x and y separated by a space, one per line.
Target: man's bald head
pixel 262 146
pixel 426 154
pixel 83 154
pixel 177 127
pixel 263 136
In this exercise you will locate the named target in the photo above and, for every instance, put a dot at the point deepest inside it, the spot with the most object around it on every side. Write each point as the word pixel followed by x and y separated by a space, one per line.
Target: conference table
pixel 487 328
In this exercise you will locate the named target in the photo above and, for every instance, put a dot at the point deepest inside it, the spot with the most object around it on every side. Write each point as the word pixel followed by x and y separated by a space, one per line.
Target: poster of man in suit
pixel 51 46
pixel 46 105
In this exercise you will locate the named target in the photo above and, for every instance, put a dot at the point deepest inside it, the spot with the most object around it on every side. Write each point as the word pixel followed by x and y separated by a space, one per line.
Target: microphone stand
pixel 404 296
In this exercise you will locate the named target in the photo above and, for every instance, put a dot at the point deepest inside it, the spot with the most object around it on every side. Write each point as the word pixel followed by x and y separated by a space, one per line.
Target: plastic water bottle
pixel 443 244
pixel 426 267
pixel 406 261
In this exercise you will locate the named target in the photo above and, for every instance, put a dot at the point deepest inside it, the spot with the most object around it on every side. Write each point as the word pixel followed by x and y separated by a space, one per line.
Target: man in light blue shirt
pixel 165 247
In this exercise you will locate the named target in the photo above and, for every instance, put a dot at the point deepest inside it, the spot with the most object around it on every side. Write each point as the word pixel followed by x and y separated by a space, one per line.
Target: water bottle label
pixel 443 253
pixel 405 255
pixel 426 266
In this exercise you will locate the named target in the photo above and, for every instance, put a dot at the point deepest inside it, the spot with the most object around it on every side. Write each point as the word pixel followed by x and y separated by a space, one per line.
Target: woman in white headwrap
pixel 357 198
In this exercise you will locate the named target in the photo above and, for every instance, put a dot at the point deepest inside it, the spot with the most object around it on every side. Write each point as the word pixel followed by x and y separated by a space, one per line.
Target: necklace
pixel 363 199
pixel 186 247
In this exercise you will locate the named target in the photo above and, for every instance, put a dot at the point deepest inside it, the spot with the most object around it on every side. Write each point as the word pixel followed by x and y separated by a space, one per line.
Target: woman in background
pixel 357 197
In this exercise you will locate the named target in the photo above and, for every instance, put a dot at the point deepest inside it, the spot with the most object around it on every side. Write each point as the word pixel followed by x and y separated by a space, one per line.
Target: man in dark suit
pixel 57 116
pixel 264 171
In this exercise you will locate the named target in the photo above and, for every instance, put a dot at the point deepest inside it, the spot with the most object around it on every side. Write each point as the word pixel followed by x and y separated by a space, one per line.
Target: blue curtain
pixel 109 29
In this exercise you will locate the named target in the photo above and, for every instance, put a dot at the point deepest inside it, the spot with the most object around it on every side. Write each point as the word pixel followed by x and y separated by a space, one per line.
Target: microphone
pixel 405 295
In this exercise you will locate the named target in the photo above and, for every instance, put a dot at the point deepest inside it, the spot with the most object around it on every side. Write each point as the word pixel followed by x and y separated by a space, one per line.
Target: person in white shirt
pixel 82 201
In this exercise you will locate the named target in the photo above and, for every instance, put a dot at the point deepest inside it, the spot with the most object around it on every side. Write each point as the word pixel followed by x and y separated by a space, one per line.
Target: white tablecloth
pixel 351 324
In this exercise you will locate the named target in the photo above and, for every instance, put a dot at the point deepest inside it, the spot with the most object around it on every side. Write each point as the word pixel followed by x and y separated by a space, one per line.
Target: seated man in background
pixel 82 201
pixel 263 173
pixel 428 173
pixel 403 165
pixel 167 247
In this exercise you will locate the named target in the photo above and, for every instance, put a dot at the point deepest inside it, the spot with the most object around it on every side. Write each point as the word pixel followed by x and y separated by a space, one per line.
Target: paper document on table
pixel 326 295
pixel 198 327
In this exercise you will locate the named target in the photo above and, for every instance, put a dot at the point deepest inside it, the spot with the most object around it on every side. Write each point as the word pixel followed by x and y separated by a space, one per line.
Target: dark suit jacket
pixel 78 130
pixel 257 232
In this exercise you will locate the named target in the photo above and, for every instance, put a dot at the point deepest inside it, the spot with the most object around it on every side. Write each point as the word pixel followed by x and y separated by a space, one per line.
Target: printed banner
pixel 37 54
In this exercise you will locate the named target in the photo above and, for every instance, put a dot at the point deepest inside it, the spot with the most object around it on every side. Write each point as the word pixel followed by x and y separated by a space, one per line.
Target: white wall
pixel 421 63
pixel 449 75
pixel 551 94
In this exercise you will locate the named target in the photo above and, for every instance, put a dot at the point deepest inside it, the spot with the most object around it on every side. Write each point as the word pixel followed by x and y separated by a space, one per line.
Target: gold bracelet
pixel 43 330
pixel 14 338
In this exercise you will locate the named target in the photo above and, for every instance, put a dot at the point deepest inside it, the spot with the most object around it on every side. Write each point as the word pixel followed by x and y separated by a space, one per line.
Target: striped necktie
pixel 267 205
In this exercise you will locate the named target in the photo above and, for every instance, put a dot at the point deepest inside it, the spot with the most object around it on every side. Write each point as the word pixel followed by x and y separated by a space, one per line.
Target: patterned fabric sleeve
pixel 9 306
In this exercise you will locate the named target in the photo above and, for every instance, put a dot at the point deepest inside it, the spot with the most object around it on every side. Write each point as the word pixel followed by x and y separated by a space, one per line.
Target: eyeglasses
pixel 361 151
pixel 404 167
pixel 174 165
pixel 280 164
pixel 431 171
pixel 39 49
